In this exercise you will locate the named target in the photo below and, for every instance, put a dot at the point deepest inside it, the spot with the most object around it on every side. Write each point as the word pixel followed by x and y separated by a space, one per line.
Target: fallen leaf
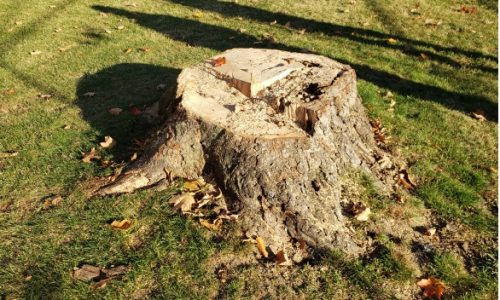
pixel 430 231
pixel 273 22
pixel 183 202
pixel 392 41
pixel 87 273
pixel 115 271
pixel 44 96
pixel 9 92
pixel 145 49
pixel 414 11
pixel 64 49
pixel 135 111
pixel 433 288
pixel 219 61
pixel 120 27
pixel 89 94
pixel 108 143
pixel 302 245
pixel 131 5
pixel 360 211
pixel 479 115
pixel 262 247
pixel 128 50
pixel 10 153
pixel 58 30
pixel 389 94
pixel 282 259
pixel 52 201
pixel 115 111
pixel 123 224
pixel 198 14
pixel 100 284
pixel 88 157
pixel 28 278
pixel 134 156
pixel 423 56
pixel 215 226
pixel 107 31
pixel 36 52
pixel 468 9
pixel 193 185
pixel 404 180
pixel 302 31
pixel 432 22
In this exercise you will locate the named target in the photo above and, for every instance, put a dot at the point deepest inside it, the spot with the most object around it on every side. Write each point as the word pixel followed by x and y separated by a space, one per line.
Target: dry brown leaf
pixel 8 92
pixel 108 143
pixel 122 225
pixel 363 216
pixel 433 288
pixel 392 41
pixel 423 57
pixel 302 245
pixel 479 115
pixel 44 96
pixel 52 201
pixel 193 185
pixel 183 202
pixel 66 48
pixel 115 111
pixel 145 49
pixel 87 273
pixel 89 94
pixel 133 157
pixel 468 9
pixel 215 226
pixel 432 22
pixel 135 111
pixel 128 50
pixel 282 259
pixel 88 157
pixel 430 231
pixel 101 283
pixel 404 180
pixel 261 246
pixel 219 61
pixel 273 22
pixel 10 153
pixel 115 271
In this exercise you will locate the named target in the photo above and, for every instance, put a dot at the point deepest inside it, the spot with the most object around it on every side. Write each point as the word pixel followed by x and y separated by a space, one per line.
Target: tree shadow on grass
pixel 122 86
pixel 220 38
pixel 361 35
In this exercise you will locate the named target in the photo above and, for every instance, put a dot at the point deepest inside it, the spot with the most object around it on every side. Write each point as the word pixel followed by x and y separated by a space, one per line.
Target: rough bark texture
pixel 279 157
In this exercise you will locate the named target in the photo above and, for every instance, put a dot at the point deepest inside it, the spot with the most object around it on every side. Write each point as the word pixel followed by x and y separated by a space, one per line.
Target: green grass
pixel 450 153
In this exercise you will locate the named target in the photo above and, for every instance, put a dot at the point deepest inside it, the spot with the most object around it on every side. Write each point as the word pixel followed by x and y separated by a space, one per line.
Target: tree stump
pixel 278 131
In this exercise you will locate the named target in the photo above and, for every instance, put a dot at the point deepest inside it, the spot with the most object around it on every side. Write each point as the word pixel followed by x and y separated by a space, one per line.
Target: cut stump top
pixel 259 92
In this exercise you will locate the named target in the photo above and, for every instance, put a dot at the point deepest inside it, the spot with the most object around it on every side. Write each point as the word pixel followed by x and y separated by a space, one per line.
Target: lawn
pixel 424 67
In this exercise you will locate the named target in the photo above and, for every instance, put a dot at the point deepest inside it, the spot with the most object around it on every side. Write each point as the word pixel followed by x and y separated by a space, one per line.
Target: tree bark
pixel 280 137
